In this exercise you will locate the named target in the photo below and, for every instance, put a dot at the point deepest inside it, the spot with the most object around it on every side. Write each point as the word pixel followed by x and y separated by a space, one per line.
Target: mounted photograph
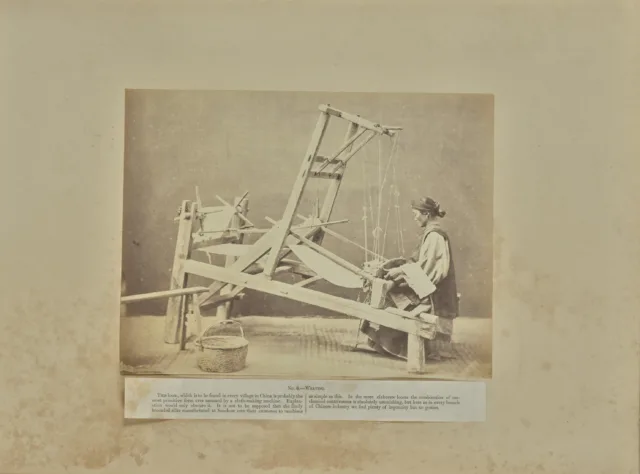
pixel 307 235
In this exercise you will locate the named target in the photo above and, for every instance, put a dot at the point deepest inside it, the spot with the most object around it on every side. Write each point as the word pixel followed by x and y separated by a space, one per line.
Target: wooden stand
pixel 245 271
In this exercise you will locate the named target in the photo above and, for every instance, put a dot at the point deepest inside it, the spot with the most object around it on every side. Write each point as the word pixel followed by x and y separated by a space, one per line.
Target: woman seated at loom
pixel 433 256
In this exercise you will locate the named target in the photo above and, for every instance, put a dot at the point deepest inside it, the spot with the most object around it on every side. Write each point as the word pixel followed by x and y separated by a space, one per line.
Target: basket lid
pixel 222 342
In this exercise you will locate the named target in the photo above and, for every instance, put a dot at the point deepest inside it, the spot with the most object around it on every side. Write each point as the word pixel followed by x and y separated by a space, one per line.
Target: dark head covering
pixel 428 206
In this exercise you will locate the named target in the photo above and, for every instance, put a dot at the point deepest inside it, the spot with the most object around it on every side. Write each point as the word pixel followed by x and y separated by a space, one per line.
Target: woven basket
pixel 222 354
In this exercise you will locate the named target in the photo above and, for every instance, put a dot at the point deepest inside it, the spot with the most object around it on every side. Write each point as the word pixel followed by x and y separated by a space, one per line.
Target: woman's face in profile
pixel 420 218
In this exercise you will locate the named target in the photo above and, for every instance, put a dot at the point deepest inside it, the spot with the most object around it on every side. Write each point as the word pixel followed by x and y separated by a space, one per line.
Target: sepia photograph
pixel 307 235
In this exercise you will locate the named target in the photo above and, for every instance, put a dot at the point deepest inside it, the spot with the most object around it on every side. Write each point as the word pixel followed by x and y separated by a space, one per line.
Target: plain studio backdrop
pixel 227 143
pixel 564 392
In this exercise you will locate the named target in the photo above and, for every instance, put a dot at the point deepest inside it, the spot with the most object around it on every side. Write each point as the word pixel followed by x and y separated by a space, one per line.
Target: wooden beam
pixel 346 146
pixel 326 175
pixel 308 281
pixel 364 123
pixel 241 199
pixel 210 209
pixel 257 251
pixel 302 270
pixel 194 310
pixel 331 256
pixel 234 294
pixel 247 230
pixel 239 230
pixel 174 318
pixel 342 238
pixel 163 294
pixel 283 227
pixel 328 160
pixel 286 265
pixel 358 148
pixel 352 308
pixel 184 314
pixel 235 210
pixel 202 241
pixel 319 224
pixel 198 200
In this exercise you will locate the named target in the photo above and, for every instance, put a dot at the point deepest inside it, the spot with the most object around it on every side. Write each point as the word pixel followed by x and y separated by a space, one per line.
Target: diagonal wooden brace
pixel 397 320
pixel 325 253
pixel 246 261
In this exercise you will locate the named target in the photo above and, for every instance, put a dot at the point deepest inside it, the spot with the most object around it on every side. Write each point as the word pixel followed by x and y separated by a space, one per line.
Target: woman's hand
pixel 394 273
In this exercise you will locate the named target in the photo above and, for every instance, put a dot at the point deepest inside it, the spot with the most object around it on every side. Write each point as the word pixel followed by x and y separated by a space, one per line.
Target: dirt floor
pixel 303 348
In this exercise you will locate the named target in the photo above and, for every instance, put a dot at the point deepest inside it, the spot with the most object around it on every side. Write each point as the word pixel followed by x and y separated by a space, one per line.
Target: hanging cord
pixel 383 181
pixel 376 228
pixel 399 229
pixel 368 195
pixel 392 187
pixel 379 234
pixel 399 241
pixel 365 186
pixel 396 205
pixel 383 249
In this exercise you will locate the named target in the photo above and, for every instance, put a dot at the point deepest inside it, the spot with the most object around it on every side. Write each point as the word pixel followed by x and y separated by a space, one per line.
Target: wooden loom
pixel 257 265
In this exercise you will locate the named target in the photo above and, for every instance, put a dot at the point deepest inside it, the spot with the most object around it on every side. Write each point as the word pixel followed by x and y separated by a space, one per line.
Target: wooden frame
pixel 246 271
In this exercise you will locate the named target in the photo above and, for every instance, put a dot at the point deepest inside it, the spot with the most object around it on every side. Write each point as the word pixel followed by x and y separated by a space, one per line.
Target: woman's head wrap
pixel 428 206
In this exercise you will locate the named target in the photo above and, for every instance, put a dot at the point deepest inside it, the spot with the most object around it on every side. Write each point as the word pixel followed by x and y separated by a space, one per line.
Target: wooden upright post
pixel 282 229
pixel 415 352
pixel 192 310
pixel 175 316
pixel 224 310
